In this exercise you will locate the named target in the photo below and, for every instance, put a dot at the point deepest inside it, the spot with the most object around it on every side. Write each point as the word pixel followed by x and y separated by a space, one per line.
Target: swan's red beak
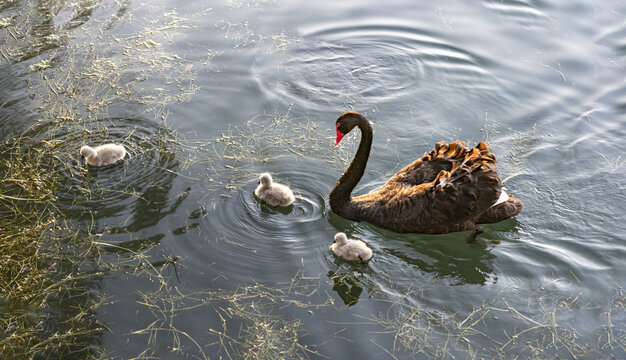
pixel 339 137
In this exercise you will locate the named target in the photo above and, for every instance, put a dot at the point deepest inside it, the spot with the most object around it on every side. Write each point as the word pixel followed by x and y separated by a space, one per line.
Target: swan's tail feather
pixel 512 207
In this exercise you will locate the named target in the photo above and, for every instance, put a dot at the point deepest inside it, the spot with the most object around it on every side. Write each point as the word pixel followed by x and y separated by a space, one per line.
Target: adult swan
pixel 451 188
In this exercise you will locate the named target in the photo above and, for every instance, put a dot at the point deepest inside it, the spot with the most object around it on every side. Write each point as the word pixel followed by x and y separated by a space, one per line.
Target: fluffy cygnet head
pixel 265 179
pixel 88 152
pixel 340 239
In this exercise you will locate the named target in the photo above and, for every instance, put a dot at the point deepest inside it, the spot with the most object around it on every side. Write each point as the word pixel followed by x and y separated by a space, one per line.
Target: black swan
pixel 451 188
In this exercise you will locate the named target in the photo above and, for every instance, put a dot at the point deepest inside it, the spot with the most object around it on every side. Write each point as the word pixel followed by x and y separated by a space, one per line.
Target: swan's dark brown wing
pixel 466 185
pixel 426 168
pixel 469 188
pixel 459 196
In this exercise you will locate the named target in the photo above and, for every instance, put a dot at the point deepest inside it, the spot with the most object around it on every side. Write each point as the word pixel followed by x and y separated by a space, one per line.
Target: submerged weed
pixel 49 269
pixel 48 302
pixel 543 329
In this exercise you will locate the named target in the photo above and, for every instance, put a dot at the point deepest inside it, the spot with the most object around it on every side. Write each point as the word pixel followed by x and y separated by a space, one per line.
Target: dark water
pixel 253 86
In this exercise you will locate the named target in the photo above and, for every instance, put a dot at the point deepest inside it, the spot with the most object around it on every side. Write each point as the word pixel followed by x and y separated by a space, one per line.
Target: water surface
pixel 206 98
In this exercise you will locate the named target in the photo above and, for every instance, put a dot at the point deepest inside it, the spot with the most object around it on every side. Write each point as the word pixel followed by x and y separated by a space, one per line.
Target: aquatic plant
pixel 544 328
pixel 49 268
pixel 41 267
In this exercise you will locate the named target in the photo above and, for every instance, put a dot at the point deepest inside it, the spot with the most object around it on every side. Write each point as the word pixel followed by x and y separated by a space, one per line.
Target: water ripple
pixel 144 176
pixel 361 63
pixel 523 12
pixel 251 233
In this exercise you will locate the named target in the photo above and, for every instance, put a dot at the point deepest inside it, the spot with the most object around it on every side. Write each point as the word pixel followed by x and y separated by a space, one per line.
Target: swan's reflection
pixel 347 286
pixel 154 204
pixel 465 264
pixel 449 256
pixel 446 256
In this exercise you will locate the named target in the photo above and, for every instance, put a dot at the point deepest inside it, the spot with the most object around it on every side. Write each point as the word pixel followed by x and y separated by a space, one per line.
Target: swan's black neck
pixel 340 196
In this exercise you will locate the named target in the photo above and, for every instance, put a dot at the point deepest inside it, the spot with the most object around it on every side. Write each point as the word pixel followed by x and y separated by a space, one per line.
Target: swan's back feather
pixel 446 190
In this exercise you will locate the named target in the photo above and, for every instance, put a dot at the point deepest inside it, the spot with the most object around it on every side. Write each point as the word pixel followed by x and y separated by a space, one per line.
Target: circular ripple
pixel 254 239
pixel 144 176
pixel 368 64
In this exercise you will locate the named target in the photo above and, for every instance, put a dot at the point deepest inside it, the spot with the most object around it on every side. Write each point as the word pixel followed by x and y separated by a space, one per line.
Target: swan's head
pixel 88 152
pixel 265 179
pixel 346 122
pixel 340 239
